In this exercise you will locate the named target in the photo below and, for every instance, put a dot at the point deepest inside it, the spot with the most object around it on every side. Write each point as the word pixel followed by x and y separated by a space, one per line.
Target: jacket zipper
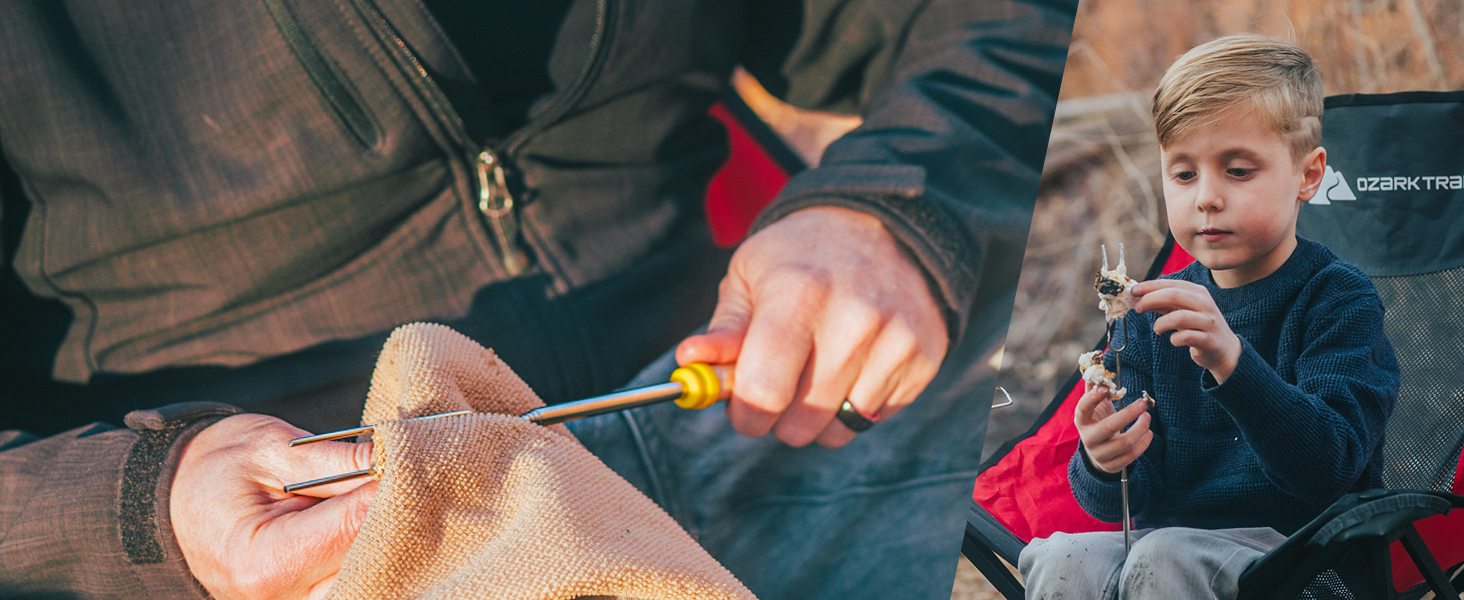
pixel 495 201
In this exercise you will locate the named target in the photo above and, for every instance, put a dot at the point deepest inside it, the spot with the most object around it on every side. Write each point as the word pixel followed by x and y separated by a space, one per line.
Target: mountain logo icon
pixel 1334 188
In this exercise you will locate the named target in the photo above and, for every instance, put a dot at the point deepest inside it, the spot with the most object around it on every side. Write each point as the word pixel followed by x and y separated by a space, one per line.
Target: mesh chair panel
pixel 1425 322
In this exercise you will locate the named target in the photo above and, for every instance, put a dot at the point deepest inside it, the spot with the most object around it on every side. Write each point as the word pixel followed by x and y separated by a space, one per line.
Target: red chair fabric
pixel 1442 534
pixel 746 183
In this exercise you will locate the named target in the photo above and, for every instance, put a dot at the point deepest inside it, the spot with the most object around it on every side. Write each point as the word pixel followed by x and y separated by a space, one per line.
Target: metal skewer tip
pixel 329 480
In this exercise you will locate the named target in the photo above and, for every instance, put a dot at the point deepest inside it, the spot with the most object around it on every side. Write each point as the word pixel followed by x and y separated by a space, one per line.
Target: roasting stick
pixel 1118 321
pixel 1123 476
pixel 694 386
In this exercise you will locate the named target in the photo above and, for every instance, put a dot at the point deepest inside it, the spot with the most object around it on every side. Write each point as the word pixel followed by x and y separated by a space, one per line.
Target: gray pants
pixel 1171 562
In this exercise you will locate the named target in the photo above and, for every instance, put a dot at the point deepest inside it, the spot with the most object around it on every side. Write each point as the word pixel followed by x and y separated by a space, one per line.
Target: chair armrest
pixel 1370 518
pixel 985 539
pixel 992 533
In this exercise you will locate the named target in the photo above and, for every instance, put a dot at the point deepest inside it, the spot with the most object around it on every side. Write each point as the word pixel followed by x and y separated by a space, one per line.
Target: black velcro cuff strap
pixel 147 477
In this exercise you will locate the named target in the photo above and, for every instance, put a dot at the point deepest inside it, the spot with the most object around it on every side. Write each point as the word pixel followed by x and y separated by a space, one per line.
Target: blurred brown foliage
pixel 1363 46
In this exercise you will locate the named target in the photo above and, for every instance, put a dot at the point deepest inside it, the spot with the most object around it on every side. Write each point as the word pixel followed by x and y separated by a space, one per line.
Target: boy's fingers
pixel 1134 452
pixel 1111 425
pixel 1139 448
pixel 1137 430
pixel 1184 320
pixel 1153 285
pixel 1196 341
pixel 1083 412
pixel 1170 299
pixel 1120 447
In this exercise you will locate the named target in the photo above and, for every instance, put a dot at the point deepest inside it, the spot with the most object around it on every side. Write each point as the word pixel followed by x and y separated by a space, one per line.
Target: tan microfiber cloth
pixel 493 506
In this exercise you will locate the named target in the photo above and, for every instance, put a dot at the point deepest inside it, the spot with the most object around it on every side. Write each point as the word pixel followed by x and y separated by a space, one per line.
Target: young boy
pixel 1267 359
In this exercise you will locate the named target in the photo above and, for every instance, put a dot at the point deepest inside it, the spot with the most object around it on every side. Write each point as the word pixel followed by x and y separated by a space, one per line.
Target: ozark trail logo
pixel 1334 187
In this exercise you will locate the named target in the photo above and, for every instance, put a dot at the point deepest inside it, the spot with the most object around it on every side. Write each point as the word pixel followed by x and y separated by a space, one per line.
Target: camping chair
pixel 1391 202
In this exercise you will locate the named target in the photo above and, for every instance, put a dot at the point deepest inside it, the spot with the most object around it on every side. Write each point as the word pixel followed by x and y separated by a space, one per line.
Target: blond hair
pixel 1273 78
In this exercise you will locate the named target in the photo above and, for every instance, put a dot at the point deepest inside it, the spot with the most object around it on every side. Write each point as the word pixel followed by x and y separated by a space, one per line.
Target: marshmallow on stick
pixel 1091 364
pixel 1115 288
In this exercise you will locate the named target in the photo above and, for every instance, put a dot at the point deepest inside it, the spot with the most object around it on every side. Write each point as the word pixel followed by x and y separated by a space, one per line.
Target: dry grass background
pixel 1101 183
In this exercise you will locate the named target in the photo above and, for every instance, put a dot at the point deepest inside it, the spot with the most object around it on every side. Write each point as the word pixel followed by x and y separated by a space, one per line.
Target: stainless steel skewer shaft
pixel 695 385
pixel 599 405
pixel 545 415
pixel 1123 476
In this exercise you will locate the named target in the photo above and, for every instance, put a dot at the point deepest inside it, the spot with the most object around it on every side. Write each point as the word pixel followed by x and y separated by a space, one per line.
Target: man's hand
pixel 819 307
pixel 241 534
pixel 1100 427
pixel 1191 313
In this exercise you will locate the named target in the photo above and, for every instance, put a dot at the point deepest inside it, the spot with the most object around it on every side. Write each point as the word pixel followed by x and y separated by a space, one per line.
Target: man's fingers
pixel 778 345
pixel 890 378
pixel 317 538
pixel 841 354
pixel 321 589
pixel 712 347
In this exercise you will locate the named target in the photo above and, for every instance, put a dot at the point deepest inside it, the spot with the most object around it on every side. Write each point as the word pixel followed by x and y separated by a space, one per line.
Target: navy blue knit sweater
pixel 1298 424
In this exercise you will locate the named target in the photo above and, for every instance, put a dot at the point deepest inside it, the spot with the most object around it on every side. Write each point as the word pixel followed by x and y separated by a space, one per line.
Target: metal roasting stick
pixel 1123 476
pixel 695 386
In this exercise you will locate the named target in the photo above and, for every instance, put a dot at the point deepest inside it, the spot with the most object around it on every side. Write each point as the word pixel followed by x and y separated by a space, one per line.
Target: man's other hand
pixel 821 306
pixel 241 534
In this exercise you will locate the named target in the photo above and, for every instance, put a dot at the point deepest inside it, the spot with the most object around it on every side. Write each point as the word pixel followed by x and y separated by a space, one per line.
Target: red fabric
pixel 1178 259
pixel 1444 536
pixel 745 184
pixel 1027 491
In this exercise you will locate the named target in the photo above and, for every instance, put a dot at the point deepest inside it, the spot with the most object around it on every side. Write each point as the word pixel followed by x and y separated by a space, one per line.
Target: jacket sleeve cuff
pixel 894 195
pixel 145 524
pixel 1100 494
pixel 85 513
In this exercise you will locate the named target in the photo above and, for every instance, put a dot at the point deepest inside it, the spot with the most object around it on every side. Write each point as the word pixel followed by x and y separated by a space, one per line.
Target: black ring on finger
pixel 851 418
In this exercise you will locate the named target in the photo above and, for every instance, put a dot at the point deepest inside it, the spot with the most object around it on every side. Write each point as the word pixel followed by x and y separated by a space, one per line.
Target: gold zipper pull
pixel 496 204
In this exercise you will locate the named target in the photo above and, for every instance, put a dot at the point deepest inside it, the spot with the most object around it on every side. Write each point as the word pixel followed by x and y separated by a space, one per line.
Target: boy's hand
pixel 1109 447
pixel 1190 312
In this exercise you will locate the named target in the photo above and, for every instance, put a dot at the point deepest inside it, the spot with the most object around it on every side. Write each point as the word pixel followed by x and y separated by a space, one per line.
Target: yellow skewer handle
pixel 703 385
